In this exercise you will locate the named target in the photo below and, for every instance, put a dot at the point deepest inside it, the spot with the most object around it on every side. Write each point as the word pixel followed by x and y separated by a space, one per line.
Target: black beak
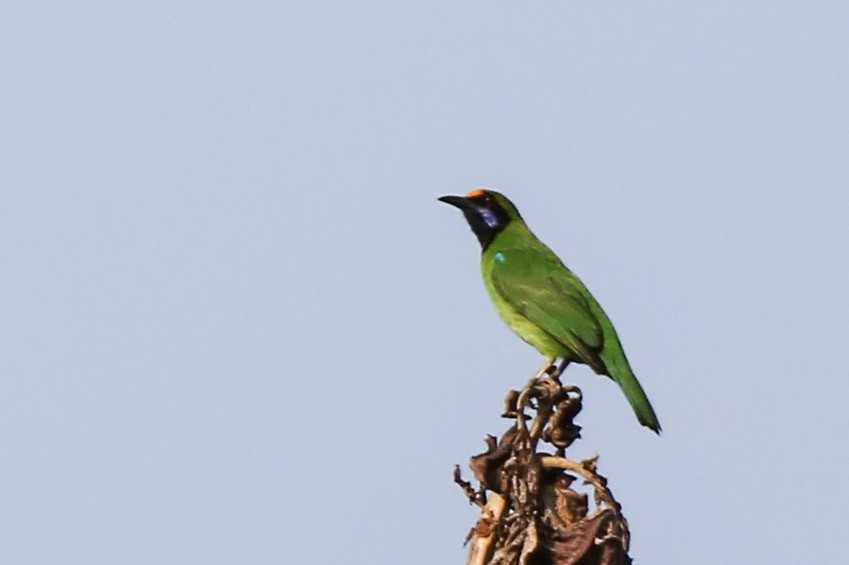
pixel 458 201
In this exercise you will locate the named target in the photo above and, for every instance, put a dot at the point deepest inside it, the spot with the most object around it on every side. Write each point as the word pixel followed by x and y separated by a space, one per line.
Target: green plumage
pixel 542 301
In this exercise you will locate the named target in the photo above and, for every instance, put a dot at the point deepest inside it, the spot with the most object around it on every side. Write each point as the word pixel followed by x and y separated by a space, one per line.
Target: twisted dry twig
pixel 532 510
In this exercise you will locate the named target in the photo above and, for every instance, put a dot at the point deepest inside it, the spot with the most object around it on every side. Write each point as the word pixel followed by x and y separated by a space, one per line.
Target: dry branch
pixel 532 513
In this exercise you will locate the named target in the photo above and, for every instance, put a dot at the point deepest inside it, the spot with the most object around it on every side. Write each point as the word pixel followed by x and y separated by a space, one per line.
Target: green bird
pixel 542 301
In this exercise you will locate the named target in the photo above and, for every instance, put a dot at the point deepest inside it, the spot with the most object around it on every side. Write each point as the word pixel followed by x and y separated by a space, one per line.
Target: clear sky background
pixel 237 326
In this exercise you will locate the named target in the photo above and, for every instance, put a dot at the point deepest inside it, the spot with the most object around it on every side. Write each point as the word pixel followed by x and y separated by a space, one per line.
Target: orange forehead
pixel 476 194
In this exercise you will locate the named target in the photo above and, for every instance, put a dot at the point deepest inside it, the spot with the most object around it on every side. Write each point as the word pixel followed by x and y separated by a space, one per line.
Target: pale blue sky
pixel 239 328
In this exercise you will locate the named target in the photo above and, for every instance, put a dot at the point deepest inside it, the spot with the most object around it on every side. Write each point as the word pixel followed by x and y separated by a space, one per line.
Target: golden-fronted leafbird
pixel 542 300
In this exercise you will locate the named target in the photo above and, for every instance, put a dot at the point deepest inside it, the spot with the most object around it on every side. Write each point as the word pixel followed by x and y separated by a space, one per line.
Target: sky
pixel 238 327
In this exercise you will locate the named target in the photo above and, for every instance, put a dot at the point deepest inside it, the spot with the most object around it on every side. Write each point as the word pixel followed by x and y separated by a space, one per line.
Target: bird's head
pixel 488 213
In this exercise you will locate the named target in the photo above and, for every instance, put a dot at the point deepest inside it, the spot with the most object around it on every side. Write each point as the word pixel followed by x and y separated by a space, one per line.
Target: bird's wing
pixel 543 290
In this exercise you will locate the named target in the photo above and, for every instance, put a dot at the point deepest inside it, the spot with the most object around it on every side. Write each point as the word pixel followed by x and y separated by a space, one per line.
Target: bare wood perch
pixel 531 512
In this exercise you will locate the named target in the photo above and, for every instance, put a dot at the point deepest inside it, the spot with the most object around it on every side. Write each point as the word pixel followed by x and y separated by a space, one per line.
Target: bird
pixel 544 302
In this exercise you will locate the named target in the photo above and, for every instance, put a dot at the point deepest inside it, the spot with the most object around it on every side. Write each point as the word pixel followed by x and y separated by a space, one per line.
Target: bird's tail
pixel 620 371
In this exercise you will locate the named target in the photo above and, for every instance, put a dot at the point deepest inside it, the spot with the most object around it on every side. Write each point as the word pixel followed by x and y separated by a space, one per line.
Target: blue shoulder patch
pixel 500 257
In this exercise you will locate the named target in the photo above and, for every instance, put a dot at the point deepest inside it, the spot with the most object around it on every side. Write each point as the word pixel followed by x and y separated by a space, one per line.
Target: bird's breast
pixel 523 327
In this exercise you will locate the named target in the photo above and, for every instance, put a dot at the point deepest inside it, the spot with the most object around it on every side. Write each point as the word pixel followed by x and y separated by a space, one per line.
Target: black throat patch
pixel 487 220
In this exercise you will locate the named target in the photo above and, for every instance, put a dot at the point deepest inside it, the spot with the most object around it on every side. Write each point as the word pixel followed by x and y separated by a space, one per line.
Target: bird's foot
pixel 555 374
pixel 546 370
